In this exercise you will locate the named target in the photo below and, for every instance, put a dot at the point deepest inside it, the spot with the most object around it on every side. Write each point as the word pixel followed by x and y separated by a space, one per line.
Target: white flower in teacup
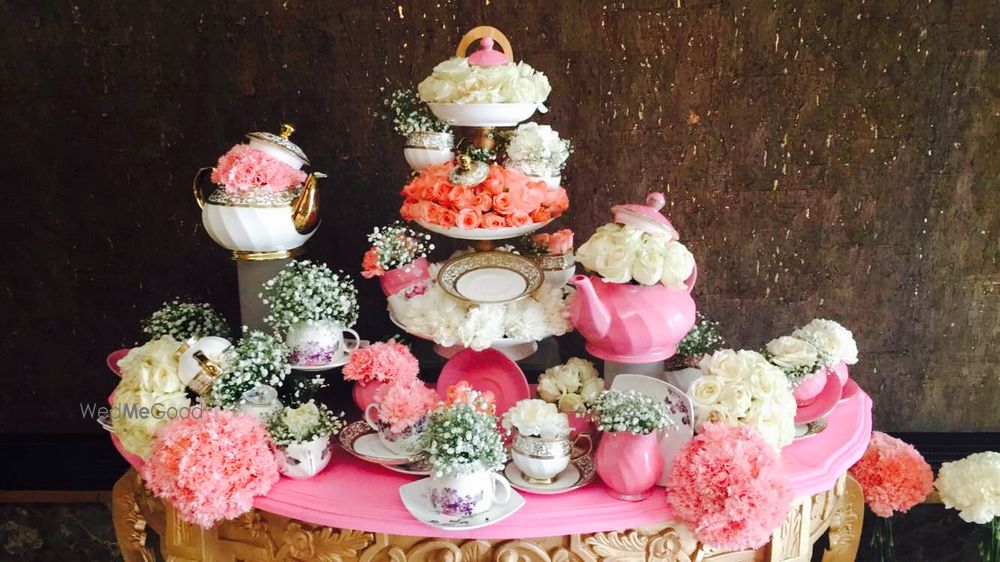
pixel 790 352
pixel 548 390
pixel 570 403
pixel 567 380
pixel 536 418
pixel 302 419
pixel 584 368
pixel 678 264
pixel 591 389
pixel 727 364
pixel 836 341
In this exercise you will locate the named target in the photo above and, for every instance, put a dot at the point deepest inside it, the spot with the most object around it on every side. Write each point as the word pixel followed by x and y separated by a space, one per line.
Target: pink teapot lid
pixel 648 217
pixel 486 55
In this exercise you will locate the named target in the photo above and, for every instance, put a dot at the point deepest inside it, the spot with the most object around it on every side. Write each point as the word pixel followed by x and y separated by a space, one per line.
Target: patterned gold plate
pixel 490 277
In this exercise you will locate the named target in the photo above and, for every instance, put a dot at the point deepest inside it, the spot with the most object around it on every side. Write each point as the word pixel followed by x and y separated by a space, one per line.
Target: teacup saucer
pixel 578 474
pixel 317 368
pixel 416 497
pixel 360 440
pixel 807 430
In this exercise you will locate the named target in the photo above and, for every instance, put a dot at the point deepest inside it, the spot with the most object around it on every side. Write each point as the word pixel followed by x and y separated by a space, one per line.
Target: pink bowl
pixel 809 388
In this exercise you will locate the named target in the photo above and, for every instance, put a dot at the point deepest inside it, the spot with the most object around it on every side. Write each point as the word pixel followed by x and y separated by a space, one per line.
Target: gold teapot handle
pixel 485 31
pixel 196 186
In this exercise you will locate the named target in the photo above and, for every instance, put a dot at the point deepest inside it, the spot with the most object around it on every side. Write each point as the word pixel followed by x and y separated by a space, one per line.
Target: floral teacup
pixel 468 493
pixel 319 343
pixel 540 459
pixel 405 443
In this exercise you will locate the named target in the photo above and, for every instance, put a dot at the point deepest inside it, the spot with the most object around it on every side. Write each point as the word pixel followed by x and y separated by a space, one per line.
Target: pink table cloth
pixel 354 494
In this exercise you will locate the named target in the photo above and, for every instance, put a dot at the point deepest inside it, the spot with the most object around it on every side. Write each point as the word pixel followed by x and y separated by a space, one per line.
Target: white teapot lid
pixel 281 140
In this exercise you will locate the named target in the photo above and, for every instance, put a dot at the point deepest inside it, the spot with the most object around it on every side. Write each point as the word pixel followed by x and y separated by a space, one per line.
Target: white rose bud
pixel 678 265
pixel 789 352
pixel 591 389
pixel 547 389
pixel 571 403
pixel 706 390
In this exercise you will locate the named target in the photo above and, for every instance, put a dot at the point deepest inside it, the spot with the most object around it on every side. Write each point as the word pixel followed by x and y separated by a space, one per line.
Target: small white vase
pixel 304 460
pixel 468 493
pixel 425 149
pixel 316 343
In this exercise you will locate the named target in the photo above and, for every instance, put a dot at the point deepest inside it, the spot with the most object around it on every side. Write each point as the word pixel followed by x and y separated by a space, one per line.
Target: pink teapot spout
pixel 590 316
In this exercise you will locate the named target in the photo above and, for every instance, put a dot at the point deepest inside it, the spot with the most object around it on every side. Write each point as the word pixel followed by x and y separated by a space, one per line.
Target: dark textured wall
pixel 821 158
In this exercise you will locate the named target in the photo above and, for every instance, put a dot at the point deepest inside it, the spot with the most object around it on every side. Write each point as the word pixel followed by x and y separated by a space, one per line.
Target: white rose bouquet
pixel 743 388
pixel 537 150
pixel 972 486
pixel 149 379
pixel 632 411
pixel 570 385
pixel 303 423
pixel 536 418
pixel 622 254
pixel 456 81
pixel 834 342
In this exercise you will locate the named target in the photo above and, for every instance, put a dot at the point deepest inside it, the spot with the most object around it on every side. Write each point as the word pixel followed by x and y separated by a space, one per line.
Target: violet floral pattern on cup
pixel 449 501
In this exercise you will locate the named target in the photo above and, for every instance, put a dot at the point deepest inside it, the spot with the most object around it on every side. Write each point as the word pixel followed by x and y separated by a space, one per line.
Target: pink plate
pixel 486 370
pixel 850 389
pixel 113 359
pixel 823 404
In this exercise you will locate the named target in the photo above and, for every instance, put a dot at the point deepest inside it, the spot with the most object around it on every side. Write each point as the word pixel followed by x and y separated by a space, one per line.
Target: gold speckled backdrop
pixel 820 158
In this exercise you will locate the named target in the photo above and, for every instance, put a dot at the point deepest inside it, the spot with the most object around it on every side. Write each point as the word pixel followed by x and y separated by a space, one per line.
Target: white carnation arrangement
pixel 972 486
pixel 536 418
pixel 182 320
pixel 537 150
pixel 448 321
pixel 743 388
pixel 304 290
pixel 149 380
pixel 456 81
pixel 835 342
pixel 622 253
pixel 461 439
pixel 570 385
pixel 303 423
pixel 631 411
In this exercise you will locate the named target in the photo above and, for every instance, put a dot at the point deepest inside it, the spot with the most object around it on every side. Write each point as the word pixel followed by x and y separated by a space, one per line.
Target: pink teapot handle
pixel 689 282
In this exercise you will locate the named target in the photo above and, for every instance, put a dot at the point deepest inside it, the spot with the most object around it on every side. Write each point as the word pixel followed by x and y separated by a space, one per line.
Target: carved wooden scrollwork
pixel 263 537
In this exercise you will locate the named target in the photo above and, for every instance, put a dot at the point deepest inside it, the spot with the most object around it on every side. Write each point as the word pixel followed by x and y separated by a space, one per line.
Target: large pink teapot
pixel 632 321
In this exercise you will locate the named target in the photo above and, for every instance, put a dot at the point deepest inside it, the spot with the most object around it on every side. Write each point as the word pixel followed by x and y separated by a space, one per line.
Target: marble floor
pixel 83 531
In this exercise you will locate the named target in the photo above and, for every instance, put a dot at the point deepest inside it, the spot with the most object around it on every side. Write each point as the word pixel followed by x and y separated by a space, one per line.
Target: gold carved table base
pixel 263 537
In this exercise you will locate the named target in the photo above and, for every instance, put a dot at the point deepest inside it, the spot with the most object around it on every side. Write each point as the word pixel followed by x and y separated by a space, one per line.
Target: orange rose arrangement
pixel 506 198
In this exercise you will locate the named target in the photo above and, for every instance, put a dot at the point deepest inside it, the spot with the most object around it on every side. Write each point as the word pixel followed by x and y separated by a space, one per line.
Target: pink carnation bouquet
pixel 729 487
pixel 210 468
pixel 894 477
pixel 506 198
pixel 388 361
pixel 402 404
pixel 244 169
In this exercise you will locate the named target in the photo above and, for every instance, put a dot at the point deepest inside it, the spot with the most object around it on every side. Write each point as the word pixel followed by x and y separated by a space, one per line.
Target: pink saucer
pixel 486 370
pixel 823 404
pixel 113 359
pixel 850 390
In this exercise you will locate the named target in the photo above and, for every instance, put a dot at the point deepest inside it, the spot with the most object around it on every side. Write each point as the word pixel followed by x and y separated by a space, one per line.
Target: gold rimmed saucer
pixel 490 277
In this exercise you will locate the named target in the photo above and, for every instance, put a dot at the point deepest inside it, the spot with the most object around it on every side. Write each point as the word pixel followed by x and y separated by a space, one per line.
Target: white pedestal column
pixel 252 275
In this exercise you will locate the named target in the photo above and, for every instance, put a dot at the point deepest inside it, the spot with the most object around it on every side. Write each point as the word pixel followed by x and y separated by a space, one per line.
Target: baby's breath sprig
pixel 258 358
pixel 303 423
pixel 703 338
pixel 397 245
pixel 460 439
pixel 634 412
pixel 410 115
pixel 182 320
pixel 304 290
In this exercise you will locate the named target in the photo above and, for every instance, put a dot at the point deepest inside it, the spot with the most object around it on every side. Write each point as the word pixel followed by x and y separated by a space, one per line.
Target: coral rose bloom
pixel 369 265
pixel 518 218
pixel 493 220
pixel 449 218
pixel 469 219
pixel 557 201
pixel 502 204
pixel 461 197
pixel 483 202
pixel 541 215
pixel 527 196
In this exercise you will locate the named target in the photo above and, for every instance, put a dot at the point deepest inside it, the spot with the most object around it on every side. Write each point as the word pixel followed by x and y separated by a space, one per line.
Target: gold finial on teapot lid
pixel 281 141
pixel 286 130
pixel 468 172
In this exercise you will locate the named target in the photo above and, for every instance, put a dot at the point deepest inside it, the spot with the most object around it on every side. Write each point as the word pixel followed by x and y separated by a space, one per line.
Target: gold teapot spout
pixel 305 208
